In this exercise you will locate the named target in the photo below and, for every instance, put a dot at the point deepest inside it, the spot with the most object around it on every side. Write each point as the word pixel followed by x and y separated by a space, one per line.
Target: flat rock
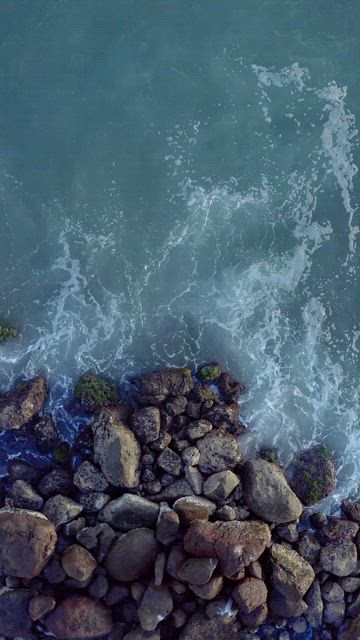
pixel 132 556
pixel 60 510
pixel 156 605
pixel 177 489
pixel 339 559
pixel 27 541
pixel 219 485
pixel 116 449
pixel 89 478
pixel 292 575
pixel 166 382
pixel 268 494
pixel 23 403
pixel 15 620
pixel 197 570
pixel 218 452
pixel 78 563
pixel 236 544
pixel 146 423
pixel 78 618
pixel 130 512
pixel 192 508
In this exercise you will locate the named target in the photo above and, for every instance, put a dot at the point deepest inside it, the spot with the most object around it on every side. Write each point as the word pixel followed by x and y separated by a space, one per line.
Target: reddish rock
pixel 23 403
pixel 78 618
pixel 249 594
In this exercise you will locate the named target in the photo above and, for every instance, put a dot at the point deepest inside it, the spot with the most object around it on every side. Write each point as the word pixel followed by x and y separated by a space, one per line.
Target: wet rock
pixel 130 512
pixel 40 606
pixel 292 575
pixel 309 547
pixel 210 590
pixel 23 496
pixel 199 627
pixel 339 559
pixel 236 544
pixel 23 403
pixel 89 478
pixel 210 372
pixel 167 525
pixel 197 570
pixel 218 452
pixel 219 485
pixel 56 481
pixel 27 541
pixel 191 456
pixel 315 605
pixel 249 594
pixel 21 470
pixel 195 479
pixel 314 475
pixel 166 382
pixel 198 429
pixel 94 392
pixel 177 489
pixel 192 508
pixel 223 415
pixel 170 462
pixel 229 388
pixel 78 563
pixel 338 531
pixel 15 620
pixel 267 493
pixel 285 607
pixel 351 510
pixel 46 434
pixel 155 606
pixel 60 510
pixel 146 424
pixel 93 502
pixel 176 406
pixel 116 449
pixel 79 617
pixel 132 556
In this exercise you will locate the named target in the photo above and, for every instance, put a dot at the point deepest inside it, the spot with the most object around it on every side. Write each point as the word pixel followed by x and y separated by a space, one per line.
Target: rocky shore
pixel 153 526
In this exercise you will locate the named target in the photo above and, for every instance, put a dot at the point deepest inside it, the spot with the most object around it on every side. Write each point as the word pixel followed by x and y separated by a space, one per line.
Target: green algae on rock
pixel 314 475
pixel 94 392
pixel 7 333
pixel 210 373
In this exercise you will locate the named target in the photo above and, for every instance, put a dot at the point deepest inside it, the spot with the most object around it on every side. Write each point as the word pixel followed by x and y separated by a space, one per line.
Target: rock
pixel 218 452
pixel 353 609
pixel 192 508
pixel 267 493
pixel 351 631
pixel 23 403
pixel 309 547
pixel 79 617
pixel 132 556
pixel 56 481
pixel 208 591
pixel 219 485
pixel 71 529
pixel 130 512
pixel 197 570
pixel 256 617
pixel 176 406
pixel 339 559
pixel 175 560
pixel 21 470
pixel 15 620
pixel 89 478
pixel 249 594
pixel 229 388
pixel 162 442
pixel 223 415
pixel 78 563
pixel 170 462
pixel 332 592
pixel 116 593
pixel 155 606
pixel 118 631
pixel 98 587
pixel 288 532
pixel 198 429
pixel 116 449
pixel 53 572
pixel 314 601
pixel 166 382
pixel 351 510
pixel 191 456
pixel 314 476
pixel 60 510
pixel 62 455
pixel 209 373
pixel 236 544
pixel 193 410
pixel 338 531
pixel 140 634
pixel 199 627
pixel 285 607
pixel 23 496
pixel 40 606
pixel 177 489
pixel 27 541
pixel 94 392
pixel 160 564
pixel 195 479
pixel 46 434
pixel 292 575
pixel 167 525
pixel 146 424
pixel 95 501
pixel 226 513
pixel 334 613
pixel 349 585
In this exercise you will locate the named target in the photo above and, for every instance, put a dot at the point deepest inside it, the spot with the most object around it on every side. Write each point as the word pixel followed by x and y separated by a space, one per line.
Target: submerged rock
pixel 79 618
pixel 94 392
pixel 23 403
pixel 314 475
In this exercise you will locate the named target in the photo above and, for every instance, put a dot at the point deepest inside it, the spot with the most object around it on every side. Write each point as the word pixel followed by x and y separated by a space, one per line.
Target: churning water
pixel 178 183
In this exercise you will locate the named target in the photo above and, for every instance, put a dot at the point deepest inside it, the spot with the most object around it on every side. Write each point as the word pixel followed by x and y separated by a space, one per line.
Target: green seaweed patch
pixel 7 333
pixel 94 392
pixel 314 475
pixel 210 373
pixel 62 454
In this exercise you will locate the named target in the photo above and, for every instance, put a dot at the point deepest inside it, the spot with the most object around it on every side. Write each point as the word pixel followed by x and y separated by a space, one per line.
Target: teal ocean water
pixel 178 182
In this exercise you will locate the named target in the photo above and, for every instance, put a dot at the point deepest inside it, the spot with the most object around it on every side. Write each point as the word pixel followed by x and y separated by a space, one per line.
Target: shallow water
pixel 178 183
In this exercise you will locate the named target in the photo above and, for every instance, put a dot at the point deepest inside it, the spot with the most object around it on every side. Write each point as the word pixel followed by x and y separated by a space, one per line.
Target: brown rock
pixel 132 556
pixel 15 620
pixel 352 510
pixel 309 547
pixel 249 594
pixel 210 590
pixel 146 424
pixel 256 617
pixel 197 570
pixel 218 452
pixel 155 606
pixel 78 563
pixel 78 618
pixel 192 508
pixel 23 403
pixel 160 564
pixel 199 627
pixel 27 541
pixel 195 479
pixel 166 382
pixel 219 485
pixel 292 575
pixel 338 531
pixel 40 606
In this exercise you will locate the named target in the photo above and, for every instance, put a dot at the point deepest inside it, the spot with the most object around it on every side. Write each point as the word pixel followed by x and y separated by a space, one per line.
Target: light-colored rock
pixel 192 508
pixel 218 452
pixel 315 604
pixel 61 509
pixel 22 404
pixel 292 575
pixel 339 559
pixel 208 591
pixel 78 563
pixel 40 606
pixel 219 485
pixel 156 605
pixel 146 424
pixel 249 594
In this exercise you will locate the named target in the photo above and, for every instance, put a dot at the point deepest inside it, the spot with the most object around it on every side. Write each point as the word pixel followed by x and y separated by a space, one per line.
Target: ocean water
pixel 178 183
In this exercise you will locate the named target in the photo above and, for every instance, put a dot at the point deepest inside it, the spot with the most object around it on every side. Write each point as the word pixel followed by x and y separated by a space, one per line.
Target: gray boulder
pixel 130 512
pixel 166 382
pixel 218 452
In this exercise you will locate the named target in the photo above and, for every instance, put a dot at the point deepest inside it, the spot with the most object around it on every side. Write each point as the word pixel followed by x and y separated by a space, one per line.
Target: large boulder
pixel 116 449
pixel 79 618
pixel 27 541
pixel 268 494
pixel 130 512
pixel 219 451
pixel 313 475
pixel 166 382
pixel 132 556
pixel 236 544
pixel 292 575
pixel 23 403
pixel 15 620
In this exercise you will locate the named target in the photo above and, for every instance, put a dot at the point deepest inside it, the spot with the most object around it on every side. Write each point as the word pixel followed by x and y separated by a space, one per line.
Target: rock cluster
pixel 163 530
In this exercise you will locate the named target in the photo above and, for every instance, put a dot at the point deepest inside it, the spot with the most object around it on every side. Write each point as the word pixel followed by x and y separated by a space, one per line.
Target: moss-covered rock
pixel 94 392
pixel 210 373
pixel 313 475
pixel 7 333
